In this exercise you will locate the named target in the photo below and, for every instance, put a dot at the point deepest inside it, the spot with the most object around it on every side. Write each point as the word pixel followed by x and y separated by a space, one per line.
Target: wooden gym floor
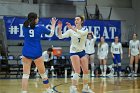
pixel 61 85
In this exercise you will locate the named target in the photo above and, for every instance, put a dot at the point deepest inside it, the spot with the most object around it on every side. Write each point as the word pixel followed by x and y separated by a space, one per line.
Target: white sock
pixel 131 67
pixel 92 66
pixel 136 68
pixel 101 67
pixel 105 68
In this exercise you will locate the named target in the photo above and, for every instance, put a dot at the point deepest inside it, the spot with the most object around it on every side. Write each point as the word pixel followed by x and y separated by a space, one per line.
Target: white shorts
pixel 102 57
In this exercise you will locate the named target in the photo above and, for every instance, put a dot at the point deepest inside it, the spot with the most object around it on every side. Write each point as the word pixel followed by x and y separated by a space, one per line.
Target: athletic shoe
pixel 50 90
pixel 120 74
pixel 73 89
pixel 135 75
pixel 86 89
pixel 130 74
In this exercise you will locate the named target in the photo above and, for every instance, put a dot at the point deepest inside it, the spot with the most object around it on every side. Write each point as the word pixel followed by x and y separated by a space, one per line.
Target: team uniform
pixel 116 50
pixel 134 47
pixel 90 50
pixel 102 51
pixel 102 54
pixel 90 46
pixel 32 47
pixel 78 40
pixel 77 47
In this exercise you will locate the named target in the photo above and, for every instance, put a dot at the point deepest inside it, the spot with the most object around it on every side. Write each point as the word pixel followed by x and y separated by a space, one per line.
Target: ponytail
pixel 32 24
pixel 26 23
pixel 31 20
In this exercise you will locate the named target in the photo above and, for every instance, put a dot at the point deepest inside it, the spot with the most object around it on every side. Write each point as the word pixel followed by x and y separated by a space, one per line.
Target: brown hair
pixel 82 19
pixel 30 20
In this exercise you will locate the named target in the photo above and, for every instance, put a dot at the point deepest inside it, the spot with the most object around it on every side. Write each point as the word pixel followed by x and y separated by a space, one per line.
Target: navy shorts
pixel 80 54
pixel 117 58
pixel 33 58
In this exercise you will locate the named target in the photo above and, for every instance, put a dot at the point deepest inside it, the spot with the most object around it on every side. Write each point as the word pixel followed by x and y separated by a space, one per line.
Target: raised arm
pixel 49 32
pixel 82 32
pixel 60 35
pixel 53 22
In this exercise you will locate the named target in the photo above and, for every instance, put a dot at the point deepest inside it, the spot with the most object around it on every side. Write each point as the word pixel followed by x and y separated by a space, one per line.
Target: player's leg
pixel 76 66
pixel 136 58
pixel 101 66
pixel 119 65
pixel 131 65
pixel 41 69
pixel 85 69
pixel 115 65
pixel 104 66
pixel 91 57
pixel 26 73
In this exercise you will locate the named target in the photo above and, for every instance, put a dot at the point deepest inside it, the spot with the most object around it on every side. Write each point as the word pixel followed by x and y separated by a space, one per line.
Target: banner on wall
pixel 107 28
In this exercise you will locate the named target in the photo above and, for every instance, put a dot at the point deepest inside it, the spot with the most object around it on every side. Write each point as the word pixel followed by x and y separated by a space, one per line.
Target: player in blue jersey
pixel 32 50
pixel 117 55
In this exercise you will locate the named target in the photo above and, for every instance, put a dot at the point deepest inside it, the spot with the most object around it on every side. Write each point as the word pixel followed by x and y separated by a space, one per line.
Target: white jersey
pixel 90 45
pixel 46 57
pixel 134 47
pixel 78 39
pixel 116 48
pixel 102 51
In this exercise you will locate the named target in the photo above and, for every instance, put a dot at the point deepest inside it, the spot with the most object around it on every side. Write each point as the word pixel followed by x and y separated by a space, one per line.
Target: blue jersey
pixel 32 48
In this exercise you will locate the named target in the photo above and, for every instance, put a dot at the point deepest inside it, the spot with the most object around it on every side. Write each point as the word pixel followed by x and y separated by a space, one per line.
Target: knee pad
pixel 46 81
pixel 25 76
pixel 85 76
pixel 43 76
pixel 76 76
pixel 119 64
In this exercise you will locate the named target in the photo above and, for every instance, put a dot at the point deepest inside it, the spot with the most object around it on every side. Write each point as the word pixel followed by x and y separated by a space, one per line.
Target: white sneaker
pixel 50 90
pixel 130 74
pixel 86 89
pixel 135 75
pixel 73 89
pixel 24 92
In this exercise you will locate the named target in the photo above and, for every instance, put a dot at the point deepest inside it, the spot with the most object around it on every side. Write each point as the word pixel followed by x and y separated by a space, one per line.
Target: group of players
pixel 116 52
pixel 32 51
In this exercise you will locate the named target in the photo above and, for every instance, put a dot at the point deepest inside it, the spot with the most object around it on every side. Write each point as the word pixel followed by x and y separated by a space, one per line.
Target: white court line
pixel 125 91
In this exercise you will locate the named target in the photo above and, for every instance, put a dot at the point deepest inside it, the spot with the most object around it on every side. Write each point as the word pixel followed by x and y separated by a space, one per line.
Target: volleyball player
pixel 134 51
pixel 32 49
pixel 90 43
pixel 102 55
pixel 78 35
pixel 117 55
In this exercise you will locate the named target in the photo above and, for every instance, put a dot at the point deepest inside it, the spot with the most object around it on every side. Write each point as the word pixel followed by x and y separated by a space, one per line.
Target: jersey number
pixel 116 49
pixel 79 39
pixel 31 32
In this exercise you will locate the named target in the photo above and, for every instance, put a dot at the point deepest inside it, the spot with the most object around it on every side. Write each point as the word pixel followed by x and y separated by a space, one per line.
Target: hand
pixel 69 25
pixel 53 21
pixel 59 24
pixel 129 55
pixel 92 33
pixel 121 57
pixel 113 56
